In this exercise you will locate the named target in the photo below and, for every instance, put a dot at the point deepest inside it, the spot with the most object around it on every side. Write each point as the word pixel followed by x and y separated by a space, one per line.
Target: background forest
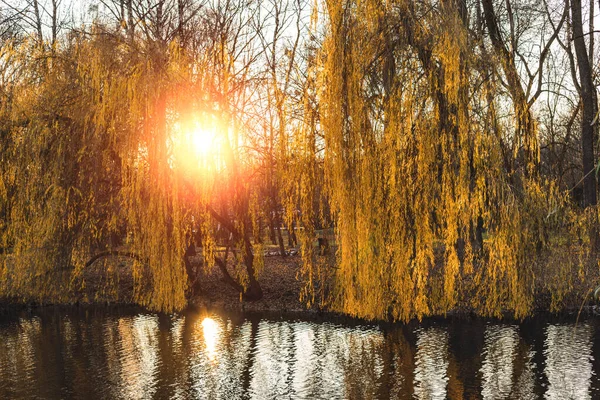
pixel 451 146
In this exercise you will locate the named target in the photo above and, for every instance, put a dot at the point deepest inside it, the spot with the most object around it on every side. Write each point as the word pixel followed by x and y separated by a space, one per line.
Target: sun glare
pixel 196 144
pixel 203 140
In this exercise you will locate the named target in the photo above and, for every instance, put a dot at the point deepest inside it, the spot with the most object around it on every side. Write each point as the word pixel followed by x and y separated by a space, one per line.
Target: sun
pixel 196 144
pixel 202 139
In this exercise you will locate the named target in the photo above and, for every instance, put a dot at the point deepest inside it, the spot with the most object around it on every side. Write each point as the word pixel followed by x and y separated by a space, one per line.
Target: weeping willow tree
pixel 89 162
pixel 96 166
pixel 36 209
pixel 101 159
pixel 428 215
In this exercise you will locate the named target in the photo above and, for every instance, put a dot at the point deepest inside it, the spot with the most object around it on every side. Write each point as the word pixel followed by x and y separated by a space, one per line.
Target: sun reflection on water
pixel 211 331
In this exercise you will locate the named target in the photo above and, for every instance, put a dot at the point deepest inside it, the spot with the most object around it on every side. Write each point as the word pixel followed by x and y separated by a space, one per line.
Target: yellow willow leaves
pixel 89 159
pixel 426 216
pixel 400 139
pixel 151 194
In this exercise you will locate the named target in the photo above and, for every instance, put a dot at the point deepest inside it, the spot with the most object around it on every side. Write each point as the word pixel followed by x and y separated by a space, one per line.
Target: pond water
pixel 115 353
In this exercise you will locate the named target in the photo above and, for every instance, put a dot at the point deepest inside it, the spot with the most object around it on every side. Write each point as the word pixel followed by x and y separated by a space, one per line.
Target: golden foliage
pixel 395 135
pixel 427 217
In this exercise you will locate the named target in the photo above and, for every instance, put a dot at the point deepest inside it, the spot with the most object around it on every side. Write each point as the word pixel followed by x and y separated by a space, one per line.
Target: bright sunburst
pixel 195 144
pixel 203 140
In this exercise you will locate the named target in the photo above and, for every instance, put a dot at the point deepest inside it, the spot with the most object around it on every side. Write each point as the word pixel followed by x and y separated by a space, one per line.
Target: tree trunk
pixel 130 19
pixel 292 239
pixel 194 285
pixel 279 236
pixel 54 24
pixel 589 106
pixel 253 291
pixel 38 22
pixel 272 230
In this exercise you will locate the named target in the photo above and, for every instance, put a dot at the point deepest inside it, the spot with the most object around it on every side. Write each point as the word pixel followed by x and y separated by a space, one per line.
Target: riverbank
pixel 282 290
pixel 281 285
pixel 278 279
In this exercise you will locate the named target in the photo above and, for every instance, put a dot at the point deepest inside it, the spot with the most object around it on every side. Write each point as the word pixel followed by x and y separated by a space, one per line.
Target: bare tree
pixel 524 92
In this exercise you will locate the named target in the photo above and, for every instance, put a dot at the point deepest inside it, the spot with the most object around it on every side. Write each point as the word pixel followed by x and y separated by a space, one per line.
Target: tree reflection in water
pixel 569 368
pixel 103 353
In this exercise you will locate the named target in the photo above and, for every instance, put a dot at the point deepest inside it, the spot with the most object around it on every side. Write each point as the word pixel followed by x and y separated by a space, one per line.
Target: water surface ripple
pixel 129 354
